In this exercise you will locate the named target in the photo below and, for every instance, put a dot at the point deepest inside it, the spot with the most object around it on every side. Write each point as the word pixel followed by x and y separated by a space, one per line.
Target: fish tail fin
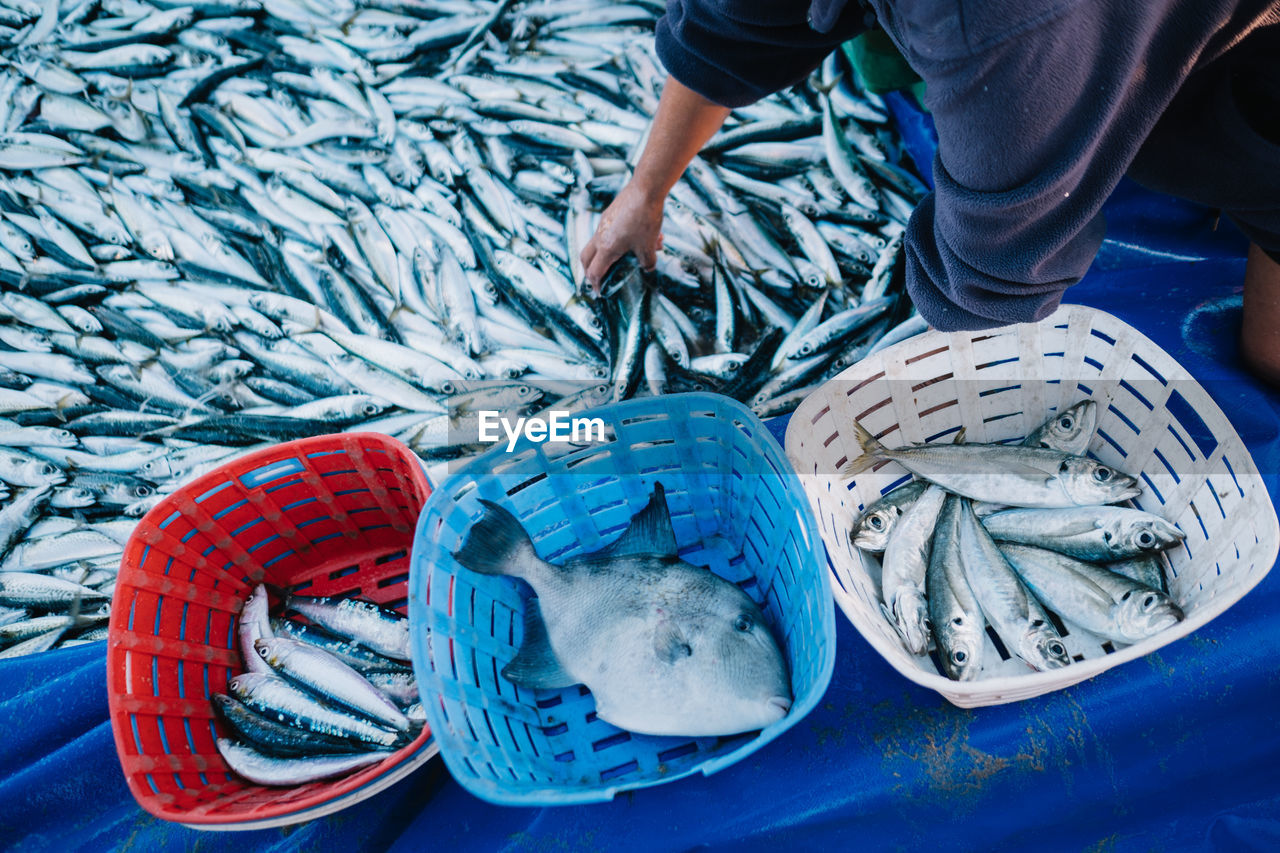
pixel 872 452
pixel 496 545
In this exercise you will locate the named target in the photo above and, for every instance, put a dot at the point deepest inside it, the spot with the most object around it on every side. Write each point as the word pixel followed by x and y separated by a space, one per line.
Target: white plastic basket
pixel 1154 422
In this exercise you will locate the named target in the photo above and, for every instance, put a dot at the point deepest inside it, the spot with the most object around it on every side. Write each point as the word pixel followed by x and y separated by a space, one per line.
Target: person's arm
pixel 719 54
pixel 632 222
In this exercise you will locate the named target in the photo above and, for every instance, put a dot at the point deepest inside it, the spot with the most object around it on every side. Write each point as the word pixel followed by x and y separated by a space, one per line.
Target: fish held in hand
pixel 1021 476
pixel 666 648
pixel 1098 600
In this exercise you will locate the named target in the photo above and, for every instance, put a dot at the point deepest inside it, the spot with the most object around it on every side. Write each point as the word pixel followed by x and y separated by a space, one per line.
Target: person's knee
pixel 1260 329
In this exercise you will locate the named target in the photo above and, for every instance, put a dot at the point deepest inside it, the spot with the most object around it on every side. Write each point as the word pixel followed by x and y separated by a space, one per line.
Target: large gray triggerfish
pixel 666 648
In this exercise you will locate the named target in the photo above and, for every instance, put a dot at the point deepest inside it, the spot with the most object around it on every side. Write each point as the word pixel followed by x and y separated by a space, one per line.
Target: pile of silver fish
pixel 666 648
pixel 225 225
pixel 1022 538
pixel 320 698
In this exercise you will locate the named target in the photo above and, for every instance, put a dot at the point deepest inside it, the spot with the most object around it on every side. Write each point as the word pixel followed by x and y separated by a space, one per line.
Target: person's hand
pixel 631 223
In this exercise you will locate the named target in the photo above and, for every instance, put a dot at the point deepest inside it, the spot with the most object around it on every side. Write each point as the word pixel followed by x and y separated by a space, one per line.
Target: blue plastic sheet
pixel 1177 751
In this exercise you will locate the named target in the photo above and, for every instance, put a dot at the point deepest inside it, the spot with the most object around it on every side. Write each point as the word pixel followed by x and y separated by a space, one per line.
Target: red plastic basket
pixel 332 515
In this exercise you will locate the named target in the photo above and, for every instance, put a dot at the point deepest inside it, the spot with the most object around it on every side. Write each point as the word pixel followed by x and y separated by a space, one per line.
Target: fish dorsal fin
pixel 536 665
pixel 649 533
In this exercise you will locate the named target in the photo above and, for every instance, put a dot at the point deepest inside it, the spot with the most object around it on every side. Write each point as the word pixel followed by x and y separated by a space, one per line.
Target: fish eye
pixel 1145 539
pixel 1102 473
pixel 1057 649
pixel 742 624
pixel 1148 601
pixel 262 651
pixel 958 656
pixel 1066 422
pixel 959 620
pixel 142 491
pixel 875 522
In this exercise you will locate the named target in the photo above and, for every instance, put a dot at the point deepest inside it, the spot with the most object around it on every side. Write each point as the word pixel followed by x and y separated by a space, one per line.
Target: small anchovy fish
pixel 383 631
pixel 325 675
pixel 276 738
pixel 266 770
pixel 28 589
pixel 275 698
pixel 1006 602
pixel 399 687
pixel 1100 601
pixel 1099 534
pixel 350 652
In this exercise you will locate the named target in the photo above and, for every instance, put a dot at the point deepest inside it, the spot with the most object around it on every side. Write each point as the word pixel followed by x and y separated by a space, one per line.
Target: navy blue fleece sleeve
pixel 735 52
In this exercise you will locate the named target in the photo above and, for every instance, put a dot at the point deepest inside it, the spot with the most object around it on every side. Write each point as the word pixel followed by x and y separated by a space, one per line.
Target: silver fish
pixel 903 568
pixel 254 624
pixel 1023 476
pixel 687 652
pixel 1100 601
pixel 1099 534
pixel 325 675
pixel 275 738
pixel 1006 602
pixel 266 770
pixel 955 617
pixel 1070 431
pixel 383 631
pixel 1147 569
pixel 275 698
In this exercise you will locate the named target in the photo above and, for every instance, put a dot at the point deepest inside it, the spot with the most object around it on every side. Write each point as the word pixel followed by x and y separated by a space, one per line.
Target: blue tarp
pixel 1178 751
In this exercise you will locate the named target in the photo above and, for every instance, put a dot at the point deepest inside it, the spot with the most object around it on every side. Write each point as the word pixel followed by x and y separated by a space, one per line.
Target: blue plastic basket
pixel 737 508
